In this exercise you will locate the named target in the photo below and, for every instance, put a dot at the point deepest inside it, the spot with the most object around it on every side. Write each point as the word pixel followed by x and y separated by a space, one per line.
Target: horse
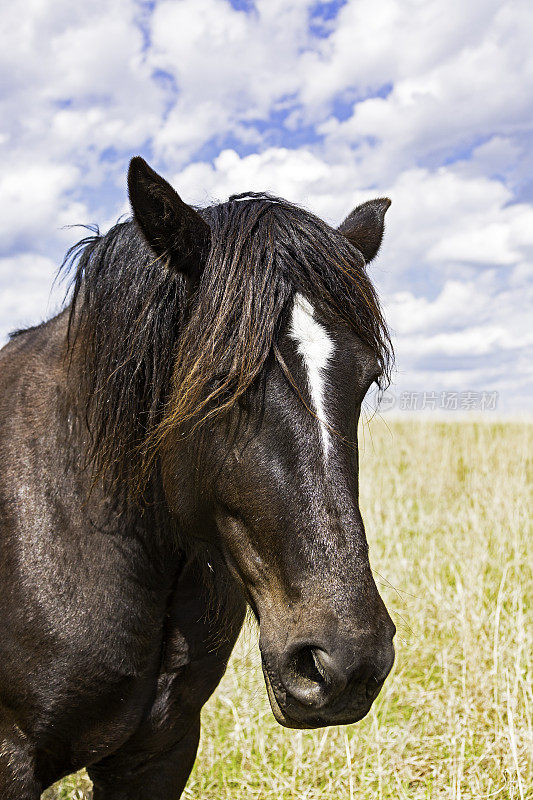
pixel 179 444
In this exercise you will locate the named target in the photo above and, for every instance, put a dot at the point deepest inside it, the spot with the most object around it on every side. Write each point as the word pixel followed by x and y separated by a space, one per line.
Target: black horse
pixel 179 442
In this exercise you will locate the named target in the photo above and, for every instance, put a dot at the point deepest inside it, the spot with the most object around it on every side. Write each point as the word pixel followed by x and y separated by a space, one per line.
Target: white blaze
pixel 316 348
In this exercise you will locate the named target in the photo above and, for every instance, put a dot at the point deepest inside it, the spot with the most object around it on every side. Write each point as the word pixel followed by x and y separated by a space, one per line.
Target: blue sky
pixel 325 103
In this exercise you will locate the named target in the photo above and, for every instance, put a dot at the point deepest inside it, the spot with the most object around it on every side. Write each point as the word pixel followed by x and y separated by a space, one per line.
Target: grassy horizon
pixel 446 508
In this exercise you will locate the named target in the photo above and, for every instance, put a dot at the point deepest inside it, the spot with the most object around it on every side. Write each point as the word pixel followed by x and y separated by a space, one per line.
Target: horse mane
pixel 154 359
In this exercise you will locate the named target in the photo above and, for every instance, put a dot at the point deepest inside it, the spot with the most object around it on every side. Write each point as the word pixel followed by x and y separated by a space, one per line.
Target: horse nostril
pixel 310 676
pixel 315 676
pixel 308 664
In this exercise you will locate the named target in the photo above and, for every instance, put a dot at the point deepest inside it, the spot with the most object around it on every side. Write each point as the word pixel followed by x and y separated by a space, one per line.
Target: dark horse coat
pixel 181 441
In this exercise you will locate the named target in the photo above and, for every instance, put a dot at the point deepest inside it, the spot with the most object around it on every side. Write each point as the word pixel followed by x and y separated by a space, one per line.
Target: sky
pixel 328 104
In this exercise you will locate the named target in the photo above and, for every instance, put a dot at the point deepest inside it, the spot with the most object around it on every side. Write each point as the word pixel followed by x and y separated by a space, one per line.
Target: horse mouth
pixel 279 714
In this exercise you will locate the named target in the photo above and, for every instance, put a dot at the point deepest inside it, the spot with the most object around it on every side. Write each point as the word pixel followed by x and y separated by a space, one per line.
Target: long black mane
pixel 152 357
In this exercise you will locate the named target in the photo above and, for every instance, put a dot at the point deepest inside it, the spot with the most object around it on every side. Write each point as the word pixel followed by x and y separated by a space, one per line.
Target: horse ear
pixel 365 225
pixel 174 230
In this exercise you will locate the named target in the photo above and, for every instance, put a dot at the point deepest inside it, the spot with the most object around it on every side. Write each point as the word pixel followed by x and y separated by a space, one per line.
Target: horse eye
pixel 230 511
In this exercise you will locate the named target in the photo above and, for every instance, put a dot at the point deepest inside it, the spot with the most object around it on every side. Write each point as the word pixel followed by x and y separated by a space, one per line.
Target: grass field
pixel 447 510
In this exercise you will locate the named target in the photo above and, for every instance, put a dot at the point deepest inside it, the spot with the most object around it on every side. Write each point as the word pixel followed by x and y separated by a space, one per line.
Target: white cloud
pixel 66 59
pixel 457 72
pixel 33 203
pixel 28 295
pixel 379 43
pixel 231 68
pixel 297 174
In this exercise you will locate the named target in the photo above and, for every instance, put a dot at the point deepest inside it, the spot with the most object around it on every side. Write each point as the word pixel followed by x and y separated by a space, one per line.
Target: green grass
pixel 446 508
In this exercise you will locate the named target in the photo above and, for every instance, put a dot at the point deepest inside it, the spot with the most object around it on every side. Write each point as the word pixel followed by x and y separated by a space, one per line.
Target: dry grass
pixel 446 510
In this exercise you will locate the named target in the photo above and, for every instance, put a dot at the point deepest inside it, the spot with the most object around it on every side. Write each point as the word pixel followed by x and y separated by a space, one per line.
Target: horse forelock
pixel 154 361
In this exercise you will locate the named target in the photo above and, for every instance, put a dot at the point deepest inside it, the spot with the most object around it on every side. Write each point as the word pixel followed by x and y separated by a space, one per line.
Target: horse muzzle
pixel 313 684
